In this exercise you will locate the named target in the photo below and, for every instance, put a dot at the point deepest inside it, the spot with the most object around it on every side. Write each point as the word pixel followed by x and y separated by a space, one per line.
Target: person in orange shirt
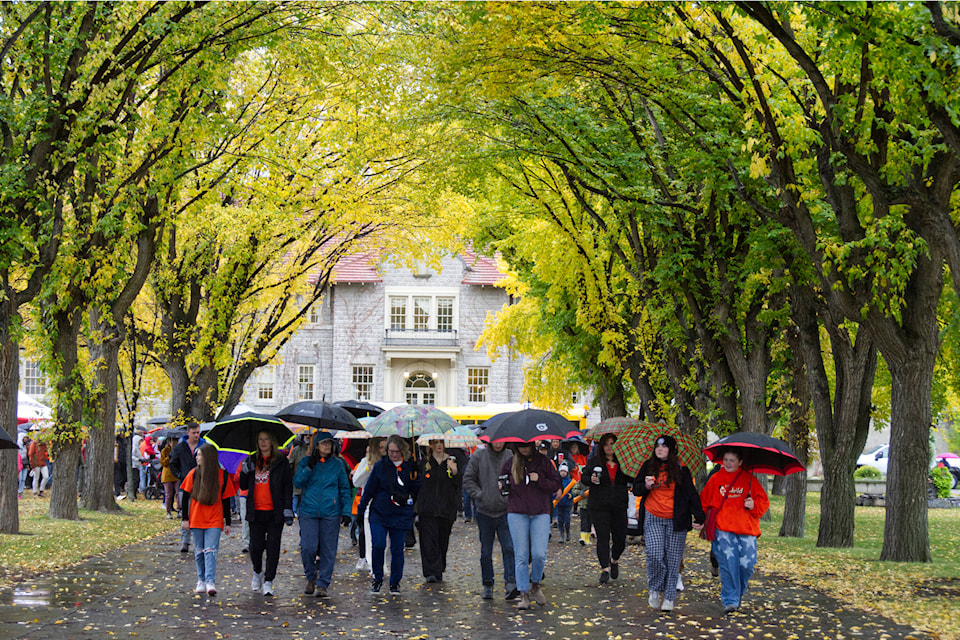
pixel 669 508
pixel 741 501
pixel 267 477
pixel 207 490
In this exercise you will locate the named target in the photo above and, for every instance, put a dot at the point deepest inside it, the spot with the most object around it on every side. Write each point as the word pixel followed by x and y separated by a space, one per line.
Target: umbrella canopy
pixel 31 409
pixel 238 433
pixel 177 433
pixel 411 420
pixel 634 446
pixel 610 425
pixel 320 415
pixel 359 408
pixel 6 442
pixel 353 435
pixel 761 453
pixel 459 438
pixel 159 421
pixel 527 425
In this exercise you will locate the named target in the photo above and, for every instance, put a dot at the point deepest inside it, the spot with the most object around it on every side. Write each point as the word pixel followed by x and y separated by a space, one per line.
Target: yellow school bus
pixel 470 415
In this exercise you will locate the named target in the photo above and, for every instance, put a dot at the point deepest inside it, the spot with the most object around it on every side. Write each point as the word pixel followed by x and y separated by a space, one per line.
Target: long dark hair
pixel 206 477
pixel 671 464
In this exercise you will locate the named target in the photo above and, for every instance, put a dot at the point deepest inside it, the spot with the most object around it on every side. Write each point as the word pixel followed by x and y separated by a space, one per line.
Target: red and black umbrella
pixel 760 453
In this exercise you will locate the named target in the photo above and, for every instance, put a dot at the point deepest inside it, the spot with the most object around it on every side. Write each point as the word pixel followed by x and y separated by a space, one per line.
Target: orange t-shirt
pixel 262 500
pixel 660 499
pixel 208 516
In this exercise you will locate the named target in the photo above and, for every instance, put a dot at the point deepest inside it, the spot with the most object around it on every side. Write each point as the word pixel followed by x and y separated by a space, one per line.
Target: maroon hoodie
pixel 533 498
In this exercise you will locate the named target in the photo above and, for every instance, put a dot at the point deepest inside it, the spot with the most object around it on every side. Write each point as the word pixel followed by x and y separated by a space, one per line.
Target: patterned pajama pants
pixel 664 554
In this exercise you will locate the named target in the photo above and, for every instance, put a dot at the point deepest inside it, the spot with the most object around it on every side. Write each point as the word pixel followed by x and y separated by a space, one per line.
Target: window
pixel 478 379
pixel 421 389
pixel 313 316
pixel 363 382
pixel 34 382
pixel 398 312
pixel 444 314
pixel 265 380
pixel 305 382
pixel 575 397
pixel 421 313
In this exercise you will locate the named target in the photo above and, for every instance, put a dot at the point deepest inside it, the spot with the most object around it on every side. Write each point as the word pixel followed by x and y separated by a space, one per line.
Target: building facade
pixel 390 334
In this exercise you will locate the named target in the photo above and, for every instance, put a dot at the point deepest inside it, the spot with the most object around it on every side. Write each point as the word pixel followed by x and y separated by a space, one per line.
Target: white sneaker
pixel 655 600
pixel 362 565
pixel 201 587
pixel 211 589
pixel 257 583
pixel 679 582
pixel 667 605
pixel 268 588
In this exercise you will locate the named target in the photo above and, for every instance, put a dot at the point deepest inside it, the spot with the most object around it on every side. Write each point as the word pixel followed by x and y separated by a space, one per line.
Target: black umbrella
pixel 359 408
pixel 159 421
pixel 527 426
pixel 178 433
pixel 320 415
pixel 238 433
pixel 6 442
pixel 760 453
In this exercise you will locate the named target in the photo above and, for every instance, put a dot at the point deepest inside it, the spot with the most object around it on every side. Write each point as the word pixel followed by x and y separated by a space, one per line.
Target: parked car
pixel 876 458
pixel 950 461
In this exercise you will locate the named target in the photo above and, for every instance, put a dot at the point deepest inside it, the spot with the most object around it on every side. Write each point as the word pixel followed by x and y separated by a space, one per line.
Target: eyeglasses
pixel 393 450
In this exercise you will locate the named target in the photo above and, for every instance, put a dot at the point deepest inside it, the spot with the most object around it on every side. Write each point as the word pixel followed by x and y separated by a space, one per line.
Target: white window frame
pixel 266 383
pixel 34 380
pixel 314 314
pixel 362 380
pixel 477 389
pixel 410 293
pixel 306 381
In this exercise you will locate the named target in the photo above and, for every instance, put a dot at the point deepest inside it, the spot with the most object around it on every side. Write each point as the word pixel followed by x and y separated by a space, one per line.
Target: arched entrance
pixel 420 388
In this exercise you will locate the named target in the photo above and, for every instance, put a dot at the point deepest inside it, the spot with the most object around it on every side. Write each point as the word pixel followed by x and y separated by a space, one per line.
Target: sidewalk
pixel 145 591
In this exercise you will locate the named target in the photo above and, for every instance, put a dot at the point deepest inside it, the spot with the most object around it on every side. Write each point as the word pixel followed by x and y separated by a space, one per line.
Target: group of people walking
pixel 516 490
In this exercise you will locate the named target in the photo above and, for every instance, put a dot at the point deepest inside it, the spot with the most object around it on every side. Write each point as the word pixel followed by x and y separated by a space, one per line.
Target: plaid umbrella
pixel 611 425
pixel 411 420
pixel 634 446
pixel 458 438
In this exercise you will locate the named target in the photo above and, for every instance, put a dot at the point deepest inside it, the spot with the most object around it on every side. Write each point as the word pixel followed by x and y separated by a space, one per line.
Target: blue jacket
pixel 567 500
pixel 388 499
pixel 325 486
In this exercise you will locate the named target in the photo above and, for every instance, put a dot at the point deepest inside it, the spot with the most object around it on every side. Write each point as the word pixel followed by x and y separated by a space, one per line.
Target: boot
pixel 584 538
pixel 524 601
pixel 537 594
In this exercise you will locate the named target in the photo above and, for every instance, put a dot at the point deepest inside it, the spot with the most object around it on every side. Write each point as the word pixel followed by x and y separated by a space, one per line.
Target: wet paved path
pixel 144 591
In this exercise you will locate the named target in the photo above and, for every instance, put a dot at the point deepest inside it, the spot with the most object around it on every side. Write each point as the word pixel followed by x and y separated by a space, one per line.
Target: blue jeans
pixel 530 536
pixel 206 544
pixel 563 517
pixel 318 548
pixel 491 528
pixel 23 478
pixel 467 506
pixel 296 504
pixel 378 546
pixel 737 555
pixel 184 533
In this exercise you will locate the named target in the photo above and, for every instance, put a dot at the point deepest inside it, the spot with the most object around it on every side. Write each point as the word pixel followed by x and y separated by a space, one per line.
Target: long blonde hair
pixel 206 477
pixel 519 463
pixel 373 451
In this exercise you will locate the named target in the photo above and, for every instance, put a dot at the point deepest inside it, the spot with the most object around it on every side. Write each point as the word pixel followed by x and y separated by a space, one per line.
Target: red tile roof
pixel 357 267
pixel 480 269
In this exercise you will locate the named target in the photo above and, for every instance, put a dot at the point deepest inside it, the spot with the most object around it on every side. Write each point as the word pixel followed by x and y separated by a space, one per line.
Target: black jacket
pixel 686 499
pixel 182 460
pixel 607 494
pixel 281 489
pixel 440 490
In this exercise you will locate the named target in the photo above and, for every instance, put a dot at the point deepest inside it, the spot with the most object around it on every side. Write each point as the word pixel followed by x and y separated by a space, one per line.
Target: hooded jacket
pixel 533 497
pixel 480 480
pixel 325 487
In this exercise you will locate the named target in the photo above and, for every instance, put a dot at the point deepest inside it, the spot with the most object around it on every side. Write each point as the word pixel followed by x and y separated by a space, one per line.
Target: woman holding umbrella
pixel 740 501
pixel 325 504
pixel 437 507
pixel 390 492
pixel 607 502
pixel 268 481
pixel 669 502
pixel 532 481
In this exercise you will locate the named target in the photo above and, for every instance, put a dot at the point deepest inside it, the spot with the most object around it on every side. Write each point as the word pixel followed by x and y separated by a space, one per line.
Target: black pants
pixel 434 540
pixel 584 519
pixel 611 528
pixel 265 535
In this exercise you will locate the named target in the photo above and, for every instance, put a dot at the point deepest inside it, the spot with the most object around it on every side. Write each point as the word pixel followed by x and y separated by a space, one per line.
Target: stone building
pixel 390 334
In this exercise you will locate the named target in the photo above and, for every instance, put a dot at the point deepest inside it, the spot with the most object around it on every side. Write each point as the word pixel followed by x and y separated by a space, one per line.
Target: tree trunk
pixel 795 485
pixel 9 383
pixel 98 479
pixel 65 449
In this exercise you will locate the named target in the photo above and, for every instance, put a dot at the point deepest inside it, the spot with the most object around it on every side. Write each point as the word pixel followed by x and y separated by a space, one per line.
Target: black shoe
pixel 614 570
pixel 432 579
pixel 395 588
pixel 604 577
pixel 714 571
pixel 513 595
pixel 245 550
pixel 184 548
pixel 375 586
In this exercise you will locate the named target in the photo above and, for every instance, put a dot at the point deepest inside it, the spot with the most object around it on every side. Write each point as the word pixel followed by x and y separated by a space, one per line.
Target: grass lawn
pixel 45 545
pixel 926 596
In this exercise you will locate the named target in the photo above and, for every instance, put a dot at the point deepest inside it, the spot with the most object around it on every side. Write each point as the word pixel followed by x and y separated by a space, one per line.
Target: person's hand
pixel 748 504
pixel 184 524
pixel 248 465
pixel 697 526
pixel 452 466
pixel 534 476
pixel 649 481
pixel 345 521
pixel 226 530
pixel 595 478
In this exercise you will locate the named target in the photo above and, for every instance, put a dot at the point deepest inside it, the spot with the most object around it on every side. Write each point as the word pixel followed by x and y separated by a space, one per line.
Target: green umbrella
pixel 410 421
pixel 634 446
pixel 611 425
